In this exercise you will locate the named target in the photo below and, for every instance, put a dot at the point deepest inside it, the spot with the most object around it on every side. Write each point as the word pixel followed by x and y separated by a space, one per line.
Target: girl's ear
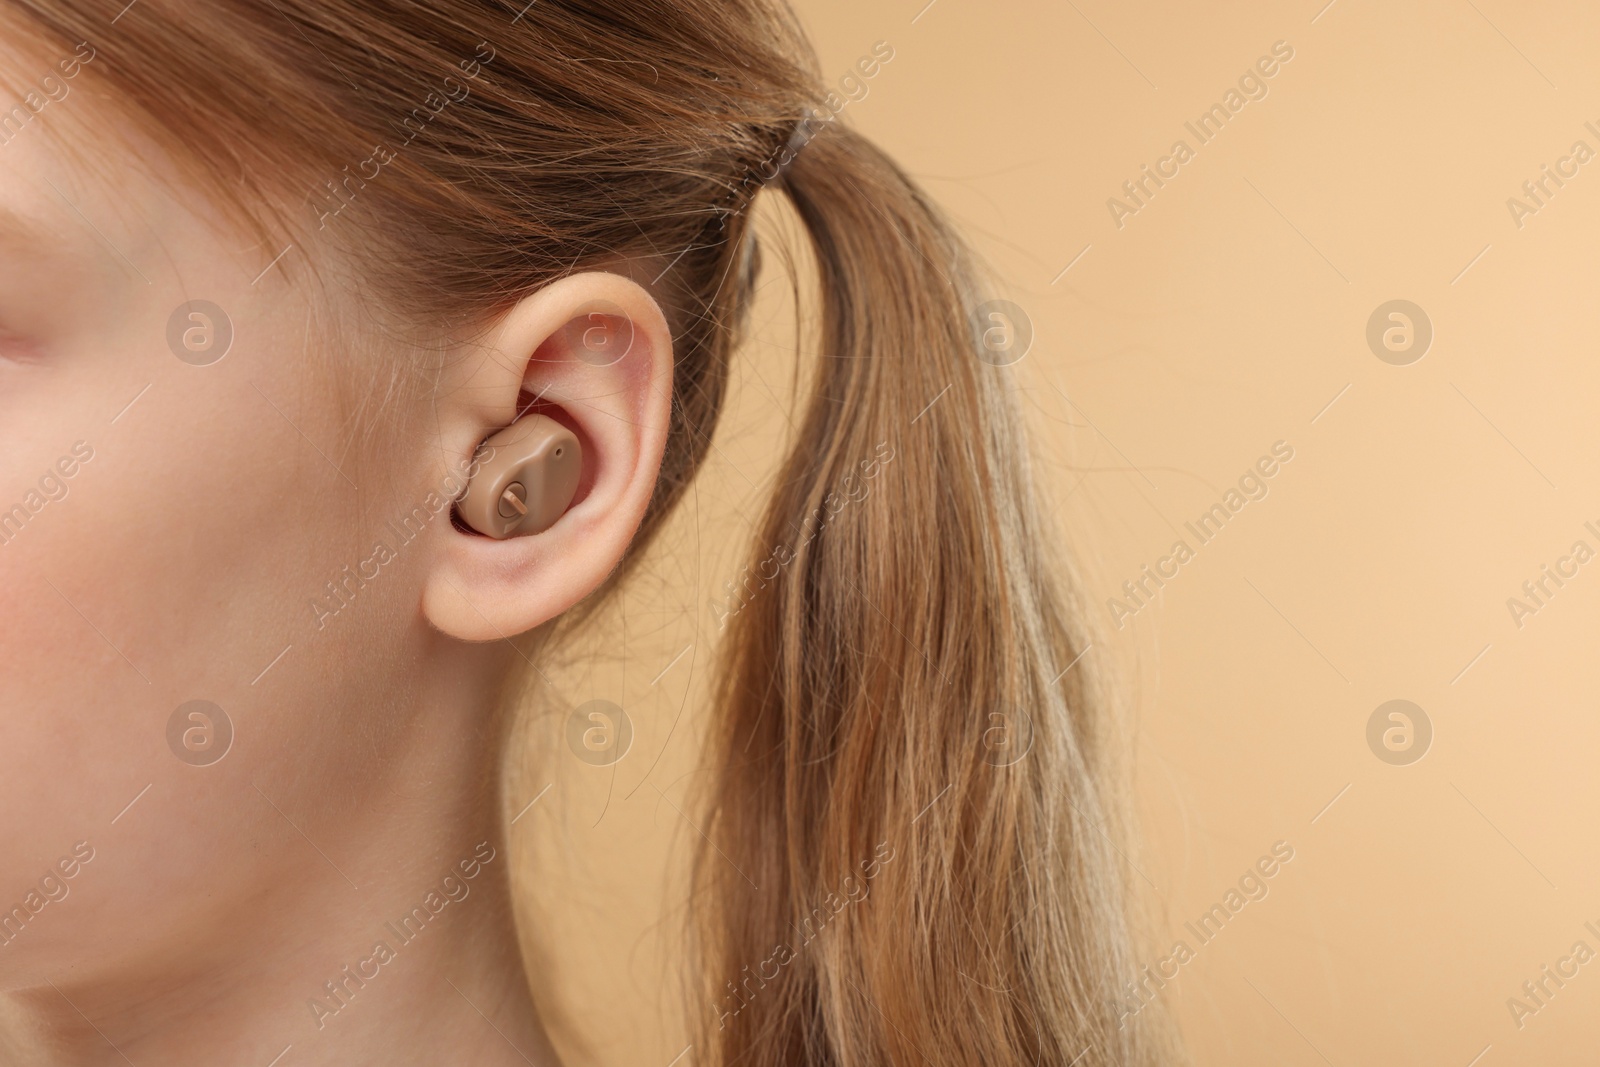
pixel 592 351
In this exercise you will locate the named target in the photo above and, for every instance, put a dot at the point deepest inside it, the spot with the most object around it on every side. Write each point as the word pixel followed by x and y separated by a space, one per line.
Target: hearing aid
pixel 526 481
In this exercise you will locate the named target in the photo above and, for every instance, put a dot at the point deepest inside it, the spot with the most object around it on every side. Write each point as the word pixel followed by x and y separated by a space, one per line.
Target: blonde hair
pixel 863 692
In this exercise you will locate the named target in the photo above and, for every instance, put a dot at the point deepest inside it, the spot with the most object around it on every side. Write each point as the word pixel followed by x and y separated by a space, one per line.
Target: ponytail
pixel 906 858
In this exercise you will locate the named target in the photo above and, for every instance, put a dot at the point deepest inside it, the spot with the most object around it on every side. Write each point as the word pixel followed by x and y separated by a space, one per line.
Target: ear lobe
pixel 596 352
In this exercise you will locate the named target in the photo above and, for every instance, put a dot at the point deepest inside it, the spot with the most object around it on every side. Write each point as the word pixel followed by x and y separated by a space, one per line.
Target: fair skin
pixel 183 559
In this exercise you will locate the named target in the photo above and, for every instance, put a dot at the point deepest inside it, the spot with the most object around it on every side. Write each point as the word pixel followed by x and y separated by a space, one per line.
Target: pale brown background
pixel 1223 317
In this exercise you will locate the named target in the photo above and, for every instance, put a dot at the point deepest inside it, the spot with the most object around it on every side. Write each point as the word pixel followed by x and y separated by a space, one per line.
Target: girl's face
pixel 249 667
pixel 178 487
pixel 247 664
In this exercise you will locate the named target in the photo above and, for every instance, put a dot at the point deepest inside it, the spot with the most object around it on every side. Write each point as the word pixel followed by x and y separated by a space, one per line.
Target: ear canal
pixel 526 480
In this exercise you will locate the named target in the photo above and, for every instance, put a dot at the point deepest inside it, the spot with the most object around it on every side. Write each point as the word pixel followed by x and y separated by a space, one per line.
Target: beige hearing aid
pixel 526 481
